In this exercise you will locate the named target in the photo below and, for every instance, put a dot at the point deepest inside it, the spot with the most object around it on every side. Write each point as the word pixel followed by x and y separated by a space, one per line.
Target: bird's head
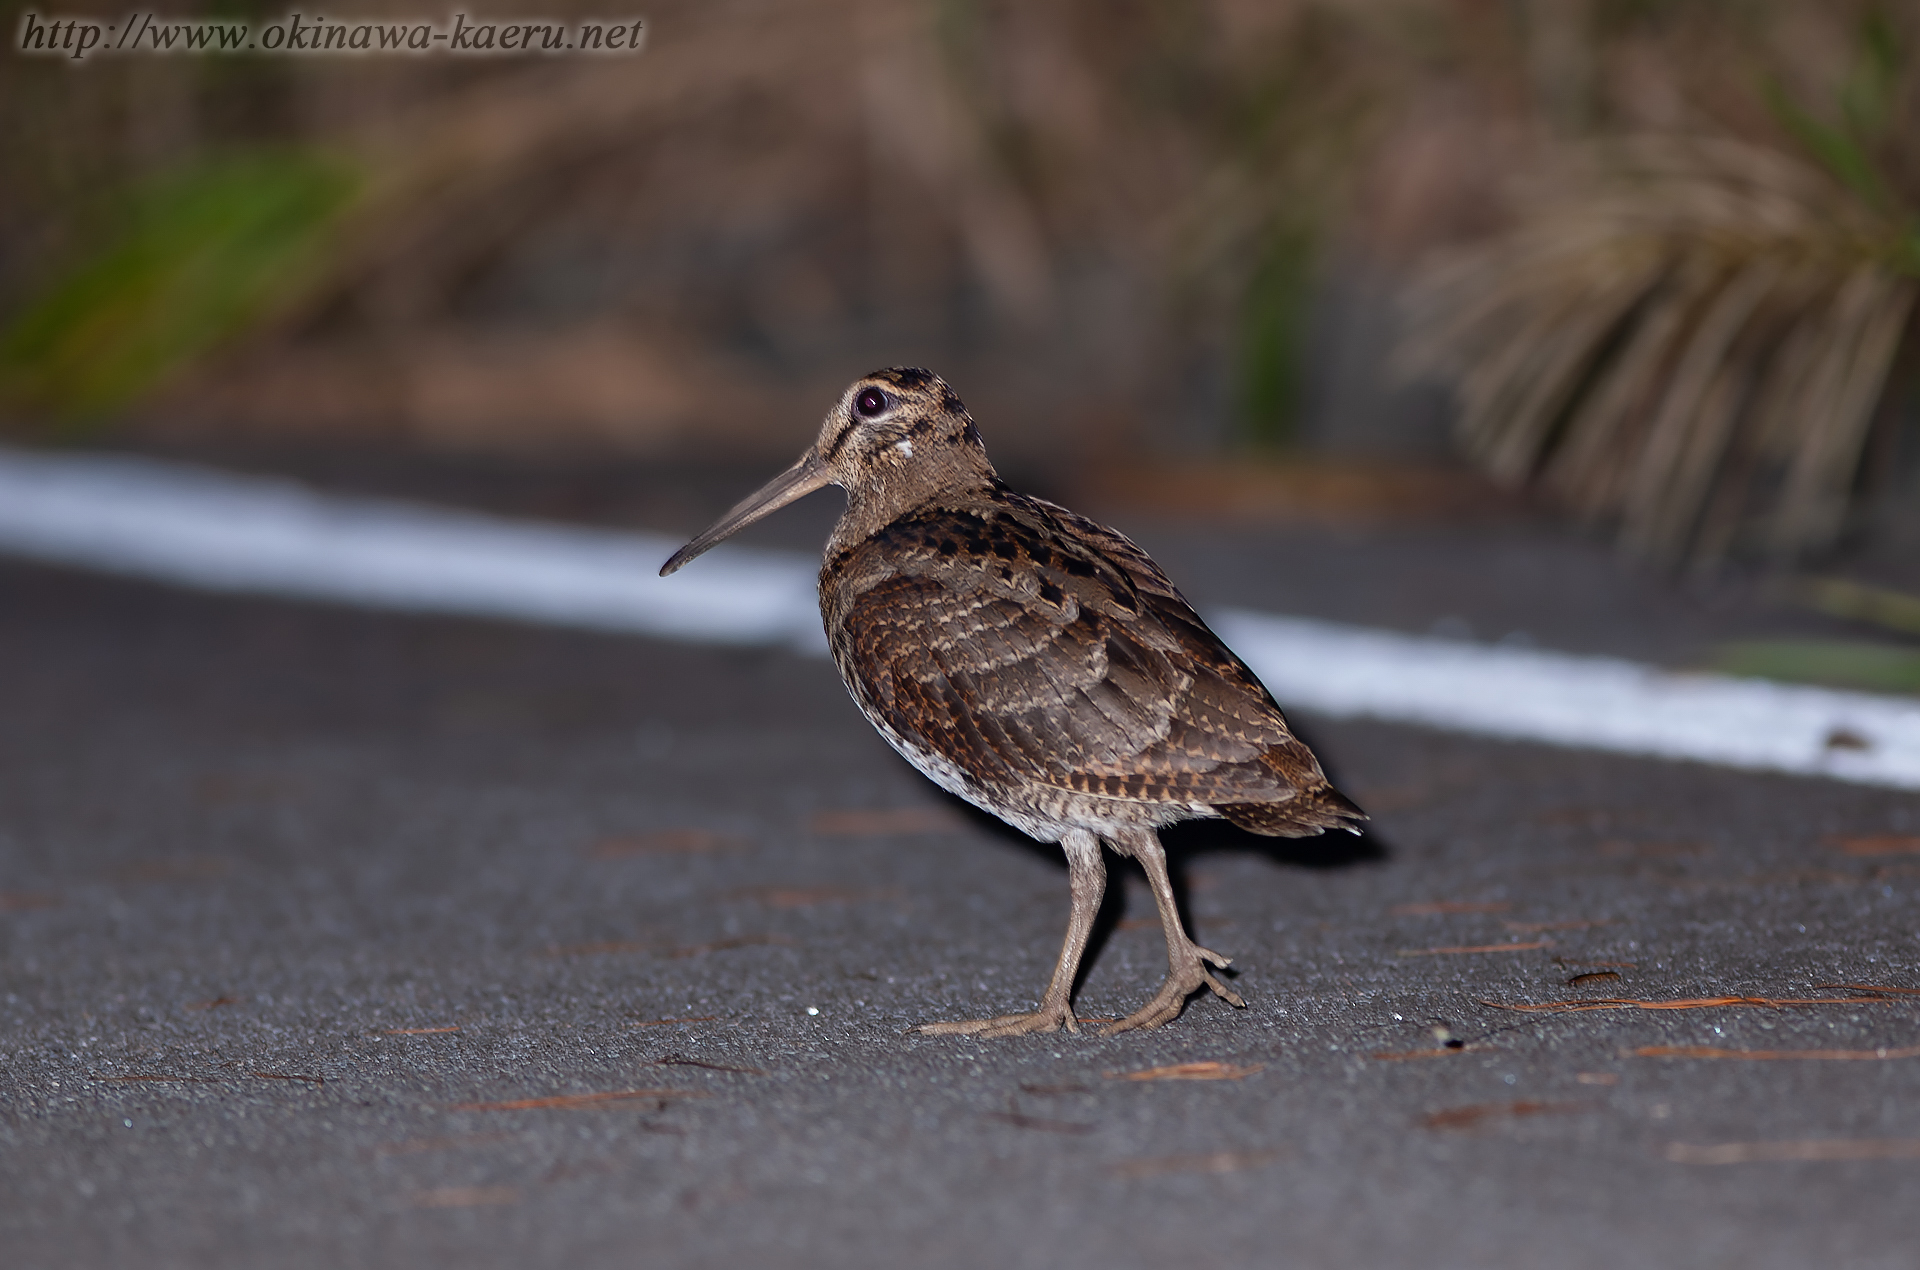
pixel 893 438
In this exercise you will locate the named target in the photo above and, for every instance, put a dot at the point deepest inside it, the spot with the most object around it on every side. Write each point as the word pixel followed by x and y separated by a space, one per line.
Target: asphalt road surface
pixel 335 938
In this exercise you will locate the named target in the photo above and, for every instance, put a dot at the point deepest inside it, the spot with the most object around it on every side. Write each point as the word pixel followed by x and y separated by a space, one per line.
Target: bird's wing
pixel 1023 648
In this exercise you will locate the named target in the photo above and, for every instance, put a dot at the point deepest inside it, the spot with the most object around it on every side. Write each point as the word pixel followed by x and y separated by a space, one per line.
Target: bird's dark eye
pixel 871 402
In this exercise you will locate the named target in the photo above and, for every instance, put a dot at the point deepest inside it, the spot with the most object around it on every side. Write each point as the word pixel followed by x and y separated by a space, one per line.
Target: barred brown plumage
pixel 1038 665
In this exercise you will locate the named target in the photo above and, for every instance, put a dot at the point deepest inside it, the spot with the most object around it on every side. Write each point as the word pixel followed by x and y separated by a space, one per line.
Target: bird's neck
pixel 872 506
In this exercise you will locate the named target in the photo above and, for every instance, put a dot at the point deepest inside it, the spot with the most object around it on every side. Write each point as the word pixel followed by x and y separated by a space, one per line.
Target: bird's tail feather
pixel 1308 812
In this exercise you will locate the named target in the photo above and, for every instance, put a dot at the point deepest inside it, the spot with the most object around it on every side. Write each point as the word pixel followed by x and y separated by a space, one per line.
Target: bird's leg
pixel 1186 961
pixel 1087 877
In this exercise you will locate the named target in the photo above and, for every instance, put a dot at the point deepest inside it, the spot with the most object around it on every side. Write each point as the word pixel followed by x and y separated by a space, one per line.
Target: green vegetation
pixel 1865 121
pixel 193 257
pixel 1858 602
pixel 1865 105
pixel 1837 663
pixel 1273 326
pixel 1879 667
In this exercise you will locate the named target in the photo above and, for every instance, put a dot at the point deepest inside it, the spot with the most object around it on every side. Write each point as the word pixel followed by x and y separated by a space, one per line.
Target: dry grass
pixel 1107 225
pixel 1462 949
pixel 663 250
pixel 1207 1069
pixel 1683 1003
pixel 1472 1117
pixel 1686 335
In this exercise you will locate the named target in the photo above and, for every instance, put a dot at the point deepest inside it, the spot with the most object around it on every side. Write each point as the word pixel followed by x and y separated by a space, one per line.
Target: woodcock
pixel 1038 665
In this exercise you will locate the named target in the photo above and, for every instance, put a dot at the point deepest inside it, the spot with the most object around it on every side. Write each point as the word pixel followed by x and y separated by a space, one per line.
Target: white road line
pixel 174 523
pixel 196 527
pixel 1600 703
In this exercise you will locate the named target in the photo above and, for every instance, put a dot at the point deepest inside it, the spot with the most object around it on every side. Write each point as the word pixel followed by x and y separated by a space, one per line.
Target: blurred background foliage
pixel 1691 334
pixel 185 260
pixel 1654 259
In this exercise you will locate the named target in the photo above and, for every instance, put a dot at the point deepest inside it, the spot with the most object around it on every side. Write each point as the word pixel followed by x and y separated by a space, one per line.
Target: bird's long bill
pixel 804 477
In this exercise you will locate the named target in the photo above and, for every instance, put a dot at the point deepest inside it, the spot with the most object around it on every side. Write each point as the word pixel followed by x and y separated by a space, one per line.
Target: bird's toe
pixel 1041 1020
pixel 1172 997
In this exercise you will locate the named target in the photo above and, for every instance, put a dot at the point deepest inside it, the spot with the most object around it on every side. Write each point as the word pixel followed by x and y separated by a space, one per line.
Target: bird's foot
pixel 1048 1018
pixel 1186 977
